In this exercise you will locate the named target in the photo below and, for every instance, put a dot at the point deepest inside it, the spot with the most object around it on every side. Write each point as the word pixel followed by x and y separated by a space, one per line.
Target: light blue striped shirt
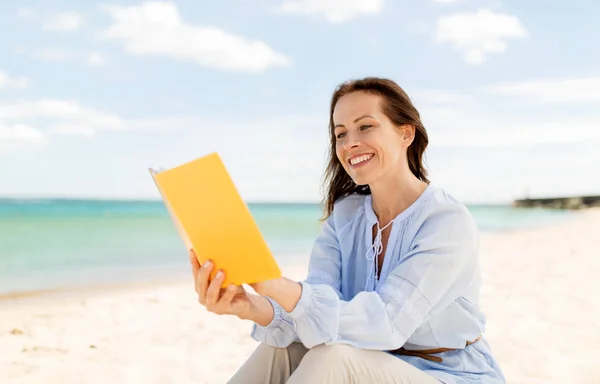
pixel 426 297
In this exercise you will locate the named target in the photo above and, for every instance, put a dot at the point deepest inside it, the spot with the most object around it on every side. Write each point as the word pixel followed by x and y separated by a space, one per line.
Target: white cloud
pixel 13 82
pixel 19 137
pixel 496 115
pixel 97 59
pixel 67 21
pixel 156 28
pixel 334 11
pixel 465 120
pixel 573 90
pixel 479 131
pixel 448 1
pixel 478 34
pixel 20 132
pixel 59 117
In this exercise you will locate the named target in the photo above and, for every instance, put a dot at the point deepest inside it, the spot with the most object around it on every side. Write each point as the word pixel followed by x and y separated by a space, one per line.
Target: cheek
pixel 392 146
pixel 389 152
pixel 339 151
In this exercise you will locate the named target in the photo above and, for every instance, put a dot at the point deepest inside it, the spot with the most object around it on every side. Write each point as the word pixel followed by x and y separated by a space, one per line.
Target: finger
pixel 202 281
pixel 194 261
pixel 228 295
pixel 195 268
pixel 212 293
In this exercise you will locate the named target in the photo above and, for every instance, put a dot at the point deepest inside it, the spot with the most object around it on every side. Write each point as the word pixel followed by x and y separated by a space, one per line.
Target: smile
pixel 360 160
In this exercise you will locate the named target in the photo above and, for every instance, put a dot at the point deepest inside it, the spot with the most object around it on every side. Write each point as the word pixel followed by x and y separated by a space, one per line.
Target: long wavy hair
pixel 398 107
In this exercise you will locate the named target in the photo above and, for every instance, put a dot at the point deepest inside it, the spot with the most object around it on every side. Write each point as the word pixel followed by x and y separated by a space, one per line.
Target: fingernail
pixel 206 264
pixel 219 275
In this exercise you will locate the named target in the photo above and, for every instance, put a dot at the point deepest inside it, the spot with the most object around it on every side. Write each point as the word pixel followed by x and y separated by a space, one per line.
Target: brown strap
pixel 427 353
pixel 405 352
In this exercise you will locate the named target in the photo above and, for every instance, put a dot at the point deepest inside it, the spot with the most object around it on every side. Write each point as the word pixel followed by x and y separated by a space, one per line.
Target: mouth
pixel 360 160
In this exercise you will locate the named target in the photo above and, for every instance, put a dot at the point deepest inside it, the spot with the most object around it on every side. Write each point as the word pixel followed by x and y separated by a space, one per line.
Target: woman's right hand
pixel 233 300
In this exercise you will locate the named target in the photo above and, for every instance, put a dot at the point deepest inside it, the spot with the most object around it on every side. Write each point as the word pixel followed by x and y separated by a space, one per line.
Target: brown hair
pixel 398 107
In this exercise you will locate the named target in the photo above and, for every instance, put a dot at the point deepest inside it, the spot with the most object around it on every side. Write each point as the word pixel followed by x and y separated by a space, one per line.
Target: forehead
pixel 354 105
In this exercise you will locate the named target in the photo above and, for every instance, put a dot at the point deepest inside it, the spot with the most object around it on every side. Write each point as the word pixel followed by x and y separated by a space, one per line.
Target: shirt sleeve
pixel 279 332
pixel 324 270
pixel 433 273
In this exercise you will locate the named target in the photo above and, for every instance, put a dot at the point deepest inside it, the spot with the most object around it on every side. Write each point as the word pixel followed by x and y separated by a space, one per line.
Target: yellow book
pixel 213 220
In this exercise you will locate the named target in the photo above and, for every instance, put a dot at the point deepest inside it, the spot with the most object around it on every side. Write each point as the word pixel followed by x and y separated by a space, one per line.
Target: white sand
pixel 540 294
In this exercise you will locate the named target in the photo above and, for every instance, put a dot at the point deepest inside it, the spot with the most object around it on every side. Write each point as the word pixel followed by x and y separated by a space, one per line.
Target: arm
pixel 324 269
pixel 272 326
pixel 261 311
pixel 442 259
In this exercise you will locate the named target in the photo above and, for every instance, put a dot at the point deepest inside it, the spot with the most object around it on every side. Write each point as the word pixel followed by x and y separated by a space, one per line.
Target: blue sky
pixel 92 93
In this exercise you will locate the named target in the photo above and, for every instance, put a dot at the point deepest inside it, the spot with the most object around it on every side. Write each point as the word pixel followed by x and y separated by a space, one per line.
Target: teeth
pixel 360 159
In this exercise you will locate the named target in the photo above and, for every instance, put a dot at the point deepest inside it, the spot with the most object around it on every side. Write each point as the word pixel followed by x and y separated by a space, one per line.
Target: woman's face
pixel 368 144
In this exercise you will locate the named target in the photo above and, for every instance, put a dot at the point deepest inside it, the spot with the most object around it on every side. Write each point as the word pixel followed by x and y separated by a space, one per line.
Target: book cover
pixel 213 220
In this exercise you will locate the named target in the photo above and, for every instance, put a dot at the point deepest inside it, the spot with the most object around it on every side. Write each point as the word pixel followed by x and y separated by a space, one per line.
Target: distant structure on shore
pixel 573 202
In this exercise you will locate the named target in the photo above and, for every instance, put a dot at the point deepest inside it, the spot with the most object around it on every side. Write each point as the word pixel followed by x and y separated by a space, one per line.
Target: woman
pixel 393 284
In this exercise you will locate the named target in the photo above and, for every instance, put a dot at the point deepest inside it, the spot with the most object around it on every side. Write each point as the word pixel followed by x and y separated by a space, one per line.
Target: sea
pixel 49 244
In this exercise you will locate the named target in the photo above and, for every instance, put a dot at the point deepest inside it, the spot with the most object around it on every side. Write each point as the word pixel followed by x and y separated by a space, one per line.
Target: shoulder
pixel 346 211
pixel 445 216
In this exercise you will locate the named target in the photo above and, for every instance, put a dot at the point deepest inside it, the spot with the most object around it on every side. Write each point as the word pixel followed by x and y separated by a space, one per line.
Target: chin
pixel 365 175
pixel 362 180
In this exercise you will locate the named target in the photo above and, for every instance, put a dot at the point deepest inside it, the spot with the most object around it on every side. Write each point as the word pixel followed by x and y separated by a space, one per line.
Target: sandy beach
pixel 540 295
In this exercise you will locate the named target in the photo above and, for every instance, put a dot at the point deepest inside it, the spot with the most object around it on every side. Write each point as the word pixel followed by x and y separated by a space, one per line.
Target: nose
pixel 351 141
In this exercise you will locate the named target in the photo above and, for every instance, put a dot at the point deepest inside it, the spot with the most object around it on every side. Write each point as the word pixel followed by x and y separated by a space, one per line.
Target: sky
pixel 93 93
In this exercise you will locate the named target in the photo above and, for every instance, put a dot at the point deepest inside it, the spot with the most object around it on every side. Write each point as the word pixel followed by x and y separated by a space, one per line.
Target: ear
pixel 408 134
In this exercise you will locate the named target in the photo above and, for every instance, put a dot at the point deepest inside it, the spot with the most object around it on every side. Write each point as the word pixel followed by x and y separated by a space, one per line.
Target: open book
pixel 214 221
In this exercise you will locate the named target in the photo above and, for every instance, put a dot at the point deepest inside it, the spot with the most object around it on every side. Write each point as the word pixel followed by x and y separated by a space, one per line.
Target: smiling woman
pixel 393 285
pixel 390 114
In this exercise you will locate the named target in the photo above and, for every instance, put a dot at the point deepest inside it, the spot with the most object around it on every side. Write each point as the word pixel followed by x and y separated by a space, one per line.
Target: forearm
pixel 261 311
pixel 284 291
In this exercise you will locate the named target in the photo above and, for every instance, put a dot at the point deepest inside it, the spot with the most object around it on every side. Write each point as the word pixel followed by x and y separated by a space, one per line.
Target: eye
pixel 340 135
pixel 365 127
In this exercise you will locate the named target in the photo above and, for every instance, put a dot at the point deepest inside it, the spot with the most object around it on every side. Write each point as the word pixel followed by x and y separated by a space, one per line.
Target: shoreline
pixel 180 275
pixel 77 290
pixel 83 292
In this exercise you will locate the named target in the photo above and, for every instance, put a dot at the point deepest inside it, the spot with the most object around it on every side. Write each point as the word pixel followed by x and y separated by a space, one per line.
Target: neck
pixel 394 195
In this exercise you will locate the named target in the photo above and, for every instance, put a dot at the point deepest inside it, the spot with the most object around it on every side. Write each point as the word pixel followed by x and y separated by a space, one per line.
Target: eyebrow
pixel 355 120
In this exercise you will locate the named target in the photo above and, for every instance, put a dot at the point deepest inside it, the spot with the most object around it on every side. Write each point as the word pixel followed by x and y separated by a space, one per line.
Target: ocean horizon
pixel 54 243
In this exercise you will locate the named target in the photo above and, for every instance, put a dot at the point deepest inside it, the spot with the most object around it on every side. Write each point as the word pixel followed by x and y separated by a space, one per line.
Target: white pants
pixel 326 364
